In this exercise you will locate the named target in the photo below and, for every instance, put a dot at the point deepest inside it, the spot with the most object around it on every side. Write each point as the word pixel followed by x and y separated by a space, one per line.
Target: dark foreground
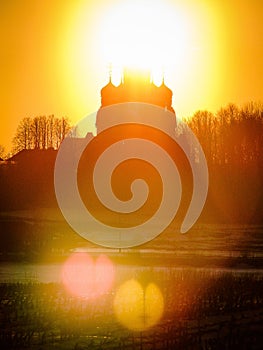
pixel 201 311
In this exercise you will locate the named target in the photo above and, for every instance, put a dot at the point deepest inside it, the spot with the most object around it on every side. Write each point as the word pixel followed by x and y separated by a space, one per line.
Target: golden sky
pixel 55 53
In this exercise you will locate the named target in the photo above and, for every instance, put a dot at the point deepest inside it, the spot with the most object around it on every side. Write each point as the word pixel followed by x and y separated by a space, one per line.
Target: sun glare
pixel 171 39
pixel 143 34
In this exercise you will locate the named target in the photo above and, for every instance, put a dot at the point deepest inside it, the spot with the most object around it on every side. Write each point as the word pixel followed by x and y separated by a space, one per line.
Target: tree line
pixel 231 136
pixel 41 132
pixel 232 140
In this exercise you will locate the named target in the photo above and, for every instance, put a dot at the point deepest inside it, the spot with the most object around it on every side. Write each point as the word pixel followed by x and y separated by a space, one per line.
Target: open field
pixel 210 279
pixel 202 310
pixel 44 236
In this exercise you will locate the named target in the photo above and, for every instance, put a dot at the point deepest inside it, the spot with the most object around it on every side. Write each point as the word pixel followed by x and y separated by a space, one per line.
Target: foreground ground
pixel 201 311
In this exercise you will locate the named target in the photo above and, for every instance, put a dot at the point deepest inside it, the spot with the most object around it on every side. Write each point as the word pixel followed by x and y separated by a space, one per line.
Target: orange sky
pixel 54 53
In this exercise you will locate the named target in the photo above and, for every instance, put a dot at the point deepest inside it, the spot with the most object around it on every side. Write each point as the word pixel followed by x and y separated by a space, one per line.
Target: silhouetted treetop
pixel 40 133
pixel 233 135
pixel 2 152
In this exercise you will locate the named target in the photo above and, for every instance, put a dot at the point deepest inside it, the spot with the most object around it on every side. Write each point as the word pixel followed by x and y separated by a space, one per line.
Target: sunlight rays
pixel 144 35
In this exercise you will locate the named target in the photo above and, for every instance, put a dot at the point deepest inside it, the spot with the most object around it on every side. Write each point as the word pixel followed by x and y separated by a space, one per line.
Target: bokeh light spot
pixel 85 277
pixel 138 308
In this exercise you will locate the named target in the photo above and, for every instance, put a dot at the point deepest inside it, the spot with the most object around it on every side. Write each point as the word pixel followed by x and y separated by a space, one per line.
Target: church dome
pixel 165 97
pixel 137 87
pixel 108 94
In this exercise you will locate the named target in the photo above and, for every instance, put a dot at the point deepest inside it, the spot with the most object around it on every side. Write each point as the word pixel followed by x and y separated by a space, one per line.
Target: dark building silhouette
pixel 27 180
pixel 33 156
pixel 27 177
pixel 136 86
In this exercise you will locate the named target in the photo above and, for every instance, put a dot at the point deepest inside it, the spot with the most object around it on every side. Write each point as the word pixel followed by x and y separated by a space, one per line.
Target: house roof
pixel 32 154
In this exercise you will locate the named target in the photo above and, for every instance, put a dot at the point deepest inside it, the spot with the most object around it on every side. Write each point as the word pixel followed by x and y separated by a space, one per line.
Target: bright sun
pixel 144 34
pixel 168 37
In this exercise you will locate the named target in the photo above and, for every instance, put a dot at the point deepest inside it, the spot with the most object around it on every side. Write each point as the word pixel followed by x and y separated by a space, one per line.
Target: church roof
pixel 137 88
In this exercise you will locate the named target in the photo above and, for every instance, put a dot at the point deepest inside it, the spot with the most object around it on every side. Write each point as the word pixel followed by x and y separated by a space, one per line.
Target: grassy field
pixel 210 280
pixel 201 311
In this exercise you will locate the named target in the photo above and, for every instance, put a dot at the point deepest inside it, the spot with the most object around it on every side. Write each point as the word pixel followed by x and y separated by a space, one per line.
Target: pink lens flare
pixel 86 277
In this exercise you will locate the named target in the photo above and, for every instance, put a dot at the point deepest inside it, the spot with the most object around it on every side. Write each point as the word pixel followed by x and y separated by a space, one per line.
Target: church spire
pixel 110 72
pixel 162 76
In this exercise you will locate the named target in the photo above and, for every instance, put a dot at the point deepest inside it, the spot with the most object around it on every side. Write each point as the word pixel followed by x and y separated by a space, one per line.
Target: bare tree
pixel 61 128
pixel 50 131
pixel 23 136
pixel 2 151
pixel 203 124
pixel 40 133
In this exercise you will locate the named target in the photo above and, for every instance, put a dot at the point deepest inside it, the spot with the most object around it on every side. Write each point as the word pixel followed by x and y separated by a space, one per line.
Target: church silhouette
pixel 136 86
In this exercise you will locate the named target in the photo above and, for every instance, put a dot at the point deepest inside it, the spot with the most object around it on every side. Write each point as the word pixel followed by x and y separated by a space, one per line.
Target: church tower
pixel 136 86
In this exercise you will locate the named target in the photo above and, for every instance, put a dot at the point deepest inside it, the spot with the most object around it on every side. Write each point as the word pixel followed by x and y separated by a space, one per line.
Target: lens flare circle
pixel 85 277
pixel 66 175
pixel 138 308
